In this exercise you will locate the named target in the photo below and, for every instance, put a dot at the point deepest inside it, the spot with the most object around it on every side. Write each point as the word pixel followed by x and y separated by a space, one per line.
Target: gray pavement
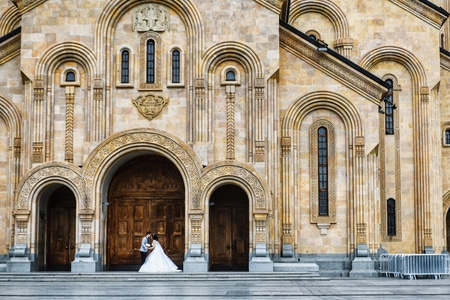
pixel 182 287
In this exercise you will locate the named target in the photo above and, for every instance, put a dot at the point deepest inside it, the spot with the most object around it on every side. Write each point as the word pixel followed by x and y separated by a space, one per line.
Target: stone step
pixel 135 276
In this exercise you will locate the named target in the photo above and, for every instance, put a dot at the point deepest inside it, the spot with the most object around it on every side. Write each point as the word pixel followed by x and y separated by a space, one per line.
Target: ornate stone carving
pixel 359 146
pixel 196 228
pixel 17 147
pixel 62 172
pixel 242 174
pixel 152 16
pixel 152 139
pixel 150 105
pixel 70 102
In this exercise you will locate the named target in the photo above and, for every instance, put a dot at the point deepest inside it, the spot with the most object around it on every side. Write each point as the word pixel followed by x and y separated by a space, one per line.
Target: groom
pixel 144 249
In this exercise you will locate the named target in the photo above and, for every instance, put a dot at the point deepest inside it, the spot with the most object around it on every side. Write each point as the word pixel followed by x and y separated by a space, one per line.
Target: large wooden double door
pixel 229 241
pixel 129 220
pixel 146 194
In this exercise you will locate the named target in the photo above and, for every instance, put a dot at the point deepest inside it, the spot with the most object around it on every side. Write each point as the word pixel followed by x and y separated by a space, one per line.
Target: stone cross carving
pixel 153 17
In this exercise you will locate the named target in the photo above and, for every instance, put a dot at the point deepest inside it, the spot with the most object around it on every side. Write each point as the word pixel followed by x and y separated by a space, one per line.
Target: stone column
pixel 260 261
pixel 21 259
pixel 287 249
pixel 86 261
pixel 195 260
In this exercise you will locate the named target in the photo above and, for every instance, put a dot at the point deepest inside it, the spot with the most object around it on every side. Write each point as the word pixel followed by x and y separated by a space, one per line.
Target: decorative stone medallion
pixel 150 105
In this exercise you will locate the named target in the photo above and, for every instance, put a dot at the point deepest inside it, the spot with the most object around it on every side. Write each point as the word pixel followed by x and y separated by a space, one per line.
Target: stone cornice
pixel 331 66
pixel 10 48
pixel 434 16
pixel 27 5
pixel 273 5
pixel 445 59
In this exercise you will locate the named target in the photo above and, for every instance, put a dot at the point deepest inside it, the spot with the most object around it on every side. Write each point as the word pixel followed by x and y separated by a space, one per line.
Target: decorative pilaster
pixel 423 184
pixel 70 99
pixel 361 207
pixel 98 130
pixel 17 151
pixel 287 249
pixel 38 121
pixel 259 127
pixel 199 134
pixel 230 90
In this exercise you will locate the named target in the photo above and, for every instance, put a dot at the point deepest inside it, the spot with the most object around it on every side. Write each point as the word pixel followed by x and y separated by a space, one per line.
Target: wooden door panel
pixel 168 219
pixel 61 236
pixel 240 242
pixel 130 219
pixel 229 238
pixel 127 227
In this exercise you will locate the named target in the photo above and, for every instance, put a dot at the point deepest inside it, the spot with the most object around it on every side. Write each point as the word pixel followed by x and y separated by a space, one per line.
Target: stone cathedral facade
pixel 249 135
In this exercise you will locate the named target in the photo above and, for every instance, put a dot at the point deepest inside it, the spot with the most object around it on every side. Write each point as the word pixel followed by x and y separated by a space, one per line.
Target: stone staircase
pixel 135 276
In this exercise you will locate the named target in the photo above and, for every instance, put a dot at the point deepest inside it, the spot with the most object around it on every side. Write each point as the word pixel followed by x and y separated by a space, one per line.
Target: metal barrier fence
pixel 412 265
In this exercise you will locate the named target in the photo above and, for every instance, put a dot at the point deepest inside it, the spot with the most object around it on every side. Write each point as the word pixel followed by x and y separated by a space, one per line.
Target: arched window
pixel 125 67
pixel 389 108
pixel 176 66
pixel 70 76
pixel 230 76
pixel 150 61
pixel 447 137
pixel 322 142
pixel 391 222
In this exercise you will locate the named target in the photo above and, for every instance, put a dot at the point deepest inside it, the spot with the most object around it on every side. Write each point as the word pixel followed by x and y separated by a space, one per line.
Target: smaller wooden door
pixel 229 230
pixel 61 231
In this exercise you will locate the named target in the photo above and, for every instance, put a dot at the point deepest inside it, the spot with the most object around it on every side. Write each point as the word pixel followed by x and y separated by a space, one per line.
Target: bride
pixel 157 260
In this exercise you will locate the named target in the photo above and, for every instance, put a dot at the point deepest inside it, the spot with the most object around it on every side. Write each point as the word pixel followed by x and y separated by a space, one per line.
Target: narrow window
pixel 391 226
pixel 230 76
pixel 447 137
pixel 150 61
pixel 70 76
pixel 322 140
pixel 389 109
pixel 176 66
pixel 125 72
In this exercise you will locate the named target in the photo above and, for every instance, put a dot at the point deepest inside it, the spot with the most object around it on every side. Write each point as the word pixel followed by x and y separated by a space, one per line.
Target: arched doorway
pixel 146 194
pixel 61 212
pixel 228 228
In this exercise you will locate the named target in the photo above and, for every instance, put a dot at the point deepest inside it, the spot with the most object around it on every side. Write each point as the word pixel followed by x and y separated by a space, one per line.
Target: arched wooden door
pixel 146 194
pixel 228 227
pixel 61 230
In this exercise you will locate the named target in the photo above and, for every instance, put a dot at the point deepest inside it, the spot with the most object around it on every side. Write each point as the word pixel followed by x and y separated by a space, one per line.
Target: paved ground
pixel 160 288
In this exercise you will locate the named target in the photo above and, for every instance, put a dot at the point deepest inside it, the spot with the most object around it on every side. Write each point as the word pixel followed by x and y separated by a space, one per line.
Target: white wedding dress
pixel 158 261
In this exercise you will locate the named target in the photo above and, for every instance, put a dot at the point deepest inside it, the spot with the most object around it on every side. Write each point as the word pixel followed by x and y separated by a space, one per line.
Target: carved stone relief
pixel 150 105
pixel 243 174
pixel 151 17
pixel 152 139
pixel 36 178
